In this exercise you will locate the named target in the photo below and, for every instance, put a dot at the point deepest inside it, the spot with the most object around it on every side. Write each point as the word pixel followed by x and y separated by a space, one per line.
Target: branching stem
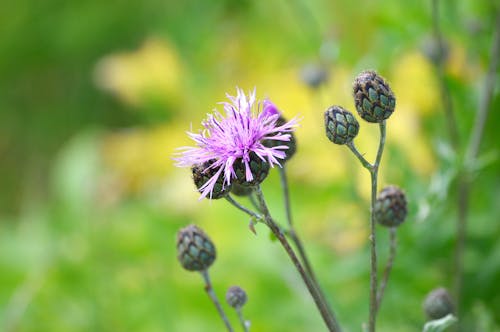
pixel 361 158
pixel 373 169
pixel 231 200
pixel 291 232
pixel 328 318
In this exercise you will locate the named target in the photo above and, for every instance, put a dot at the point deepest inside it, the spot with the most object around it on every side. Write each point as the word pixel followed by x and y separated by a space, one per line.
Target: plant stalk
pixel 242 320
pixel 213 297
pixel 231 200
pixel 291 232
pixel 373 169
pixel 328 318
pixel 388 267
pixel 451 121
pixel 470 158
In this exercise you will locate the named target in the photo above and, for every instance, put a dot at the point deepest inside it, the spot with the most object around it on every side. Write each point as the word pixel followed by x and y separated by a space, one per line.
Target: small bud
pixel 236 297
pixel 258 167
pixel 390 207
pixel 291 144
pixel 195 250
pixel 341 125
pixel 313 75
pixel 438 304
pixel 435 52
pixel 202 173
pixel 373 97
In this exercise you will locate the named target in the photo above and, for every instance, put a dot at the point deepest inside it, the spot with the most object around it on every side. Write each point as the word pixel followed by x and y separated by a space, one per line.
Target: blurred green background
pixel 95 96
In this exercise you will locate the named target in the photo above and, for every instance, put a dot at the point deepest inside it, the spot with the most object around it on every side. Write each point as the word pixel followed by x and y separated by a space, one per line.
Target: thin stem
pixel 328 318
pixel 286 194
pixel 362 159
pixel 445 91
pixel 253 200
pixel 471 154
pixel 461 237
pixel 373 169
pixel 295 237
pixel 381 145
pixel 487 95
pixel 231 200
pixel 373 256
pixel 388 267
pixel 213 297
pixel 291 230
pixel 373 246
pixel 242 320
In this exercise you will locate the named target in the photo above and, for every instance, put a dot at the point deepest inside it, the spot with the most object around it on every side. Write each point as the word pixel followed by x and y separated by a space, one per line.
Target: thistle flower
pixel 236 139
pixel 202 173
pixel 291 144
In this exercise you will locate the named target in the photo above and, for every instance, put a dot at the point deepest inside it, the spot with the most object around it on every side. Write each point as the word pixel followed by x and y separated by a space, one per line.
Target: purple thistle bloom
pixel 233 137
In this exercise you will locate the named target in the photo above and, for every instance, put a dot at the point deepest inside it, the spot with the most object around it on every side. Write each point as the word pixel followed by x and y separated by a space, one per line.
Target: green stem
pixel 231 200
pixel 470 157
pixel 243 322
pixel 451 121
pixel 213 297
pixel 388 267
pixel 373 271
pixel 373 257
pixel 362 159
pixel 253 200
pixel 291 230
pixel 328 317
pixel 373 169
pixel 296 239
pixel 486 96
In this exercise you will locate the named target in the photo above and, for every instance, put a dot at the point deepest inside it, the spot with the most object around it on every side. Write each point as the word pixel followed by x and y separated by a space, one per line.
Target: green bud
pixel 341 125
pixel 195 250
pixel 390 207
pixel 373 97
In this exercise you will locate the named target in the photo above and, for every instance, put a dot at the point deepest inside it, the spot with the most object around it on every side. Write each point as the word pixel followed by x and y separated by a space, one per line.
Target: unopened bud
pixel 373 97
pixel 195 250
pixel 236 297
pixel 390 207
pixel 438 304
pixel 341 125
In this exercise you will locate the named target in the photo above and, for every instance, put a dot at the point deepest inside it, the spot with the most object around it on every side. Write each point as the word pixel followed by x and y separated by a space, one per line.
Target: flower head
pixel 195 250
pixel 232 139
pixel 236 297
